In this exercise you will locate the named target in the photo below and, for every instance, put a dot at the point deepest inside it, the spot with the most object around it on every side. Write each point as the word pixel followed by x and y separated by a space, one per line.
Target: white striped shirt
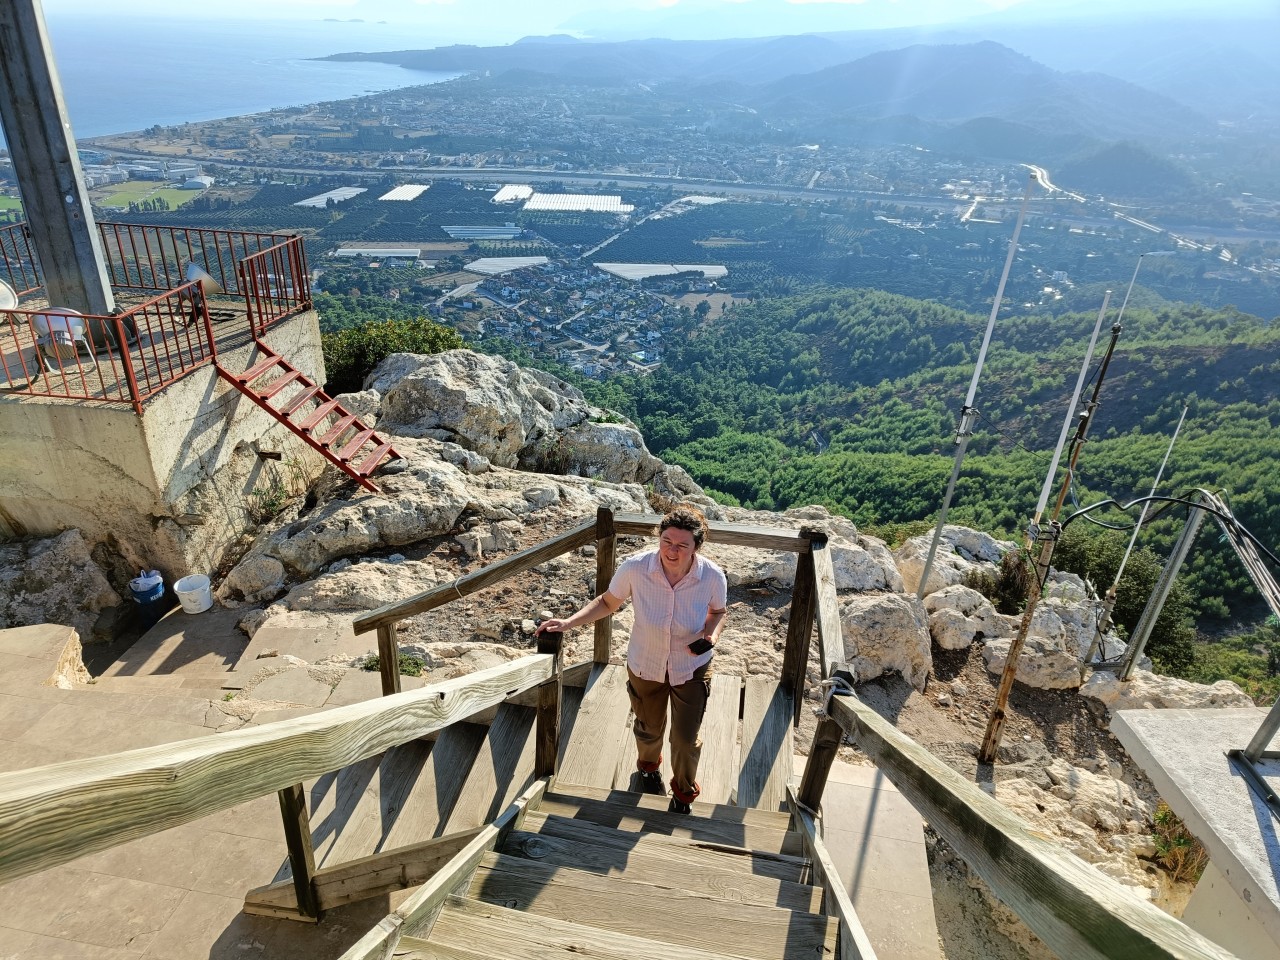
pixel 667 618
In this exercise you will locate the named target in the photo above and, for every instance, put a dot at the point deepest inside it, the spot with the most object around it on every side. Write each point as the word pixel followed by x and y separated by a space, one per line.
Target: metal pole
pixel 967 412
pixel 1151 612
pixel 1033 531
pixel 1104 621
pixel 1085 419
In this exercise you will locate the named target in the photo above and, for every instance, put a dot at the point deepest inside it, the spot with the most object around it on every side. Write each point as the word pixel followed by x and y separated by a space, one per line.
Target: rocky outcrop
pixel 54 581
pixel 959 615
pixel 1145 690
pixel 884 632
pixel 960 550
pixel 860 563
pixel 1042 662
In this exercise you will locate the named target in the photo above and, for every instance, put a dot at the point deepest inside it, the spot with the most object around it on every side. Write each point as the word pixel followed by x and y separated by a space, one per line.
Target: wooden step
pixel 627 816
pixel 767 744
pixel 373 460
pixel 350 448
pixel 770 819
pixel 666 913
pixel 500 772
pixel 499 933
pixel 330 436
pixel 278 384
pixel 302 397
pixel 402 797
pixel 591 757
pixel 259 368
pixel 697 868
pixel 309 422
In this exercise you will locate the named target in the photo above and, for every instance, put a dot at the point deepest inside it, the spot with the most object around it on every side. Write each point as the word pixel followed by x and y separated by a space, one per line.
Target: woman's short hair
pixel 686 518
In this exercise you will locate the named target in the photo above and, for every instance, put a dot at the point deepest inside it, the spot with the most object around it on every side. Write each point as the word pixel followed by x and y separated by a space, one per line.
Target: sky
pixel 504 21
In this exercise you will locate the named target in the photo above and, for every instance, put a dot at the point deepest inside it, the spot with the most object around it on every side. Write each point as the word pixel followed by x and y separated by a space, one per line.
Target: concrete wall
pixel 171 489
pixel 1217 911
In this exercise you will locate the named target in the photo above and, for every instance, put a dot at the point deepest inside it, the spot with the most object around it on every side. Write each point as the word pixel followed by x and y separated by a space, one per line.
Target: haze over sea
pixel 121 73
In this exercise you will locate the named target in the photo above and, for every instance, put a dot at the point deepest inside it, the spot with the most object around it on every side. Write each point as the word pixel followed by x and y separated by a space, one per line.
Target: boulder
pixel 960 550
pixel 1042 663
pixel 860 563
pixel 959 615
pixel 884 632
pixel 255 579
pixel 361 587
pixel 1146 690
pixel 55 581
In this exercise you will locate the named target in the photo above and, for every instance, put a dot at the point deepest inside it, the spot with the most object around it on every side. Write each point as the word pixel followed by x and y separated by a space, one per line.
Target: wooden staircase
pixel 620 877
pixel 300 404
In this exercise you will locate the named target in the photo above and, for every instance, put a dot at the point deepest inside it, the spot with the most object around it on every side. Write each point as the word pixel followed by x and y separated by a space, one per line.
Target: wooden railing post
pixel 795 658
pixel 547 736
pixel 826 741
pixel 388 659
pixel 606 559
pixel 302 859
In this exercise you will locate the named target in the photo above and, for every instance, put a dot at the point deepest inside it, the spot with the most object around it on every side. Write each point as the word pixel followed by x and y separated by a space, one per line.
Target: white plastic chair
pixel 60 335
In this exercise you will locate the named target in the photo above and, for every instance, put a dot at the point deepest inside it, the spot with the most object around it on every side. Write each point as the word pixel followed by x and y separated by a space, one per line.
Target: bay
pixel 125 73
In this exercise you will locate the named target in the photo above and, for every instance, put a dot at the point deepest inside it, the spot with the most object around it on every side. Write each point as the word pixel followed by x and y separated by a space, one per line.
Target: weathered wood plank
pixel 779 866
pixel 795 657
pixel 364 878
pixel 502 770
pixel 727 813
pixel 766 744
pixel 302 861
pixel 699 868
pixel 368 799
pixel 733 534
pixel 425 810
pixel 495 932
pixel 622 816
pixel 418 913
pixel 606 564
pixel 718 766
pixel 662 912
pixel 854 942
pixel 598 731
pixel 56 813
pixel 546 751
pixel 388 659
pixel 1078 911
pixel 581 535
pixel 826 743
pixel 830 633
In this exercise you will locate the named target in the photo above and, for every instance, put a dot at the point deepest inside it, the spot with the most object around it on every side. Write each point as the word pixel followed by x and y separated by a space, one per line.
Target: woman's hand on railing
pixel 555 625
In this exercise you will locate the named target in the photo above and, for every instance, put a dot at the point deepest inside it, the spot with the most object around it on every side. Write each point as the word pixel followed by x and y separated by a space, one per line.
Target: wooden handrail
pixel 50 815
pixel 581 535
pixel 730 534
pixel 1077 910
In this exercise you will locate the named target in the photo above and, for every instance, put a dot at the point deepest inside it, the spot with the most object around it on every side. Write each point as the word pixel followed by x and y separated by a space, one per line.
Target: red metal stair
pixel 312 414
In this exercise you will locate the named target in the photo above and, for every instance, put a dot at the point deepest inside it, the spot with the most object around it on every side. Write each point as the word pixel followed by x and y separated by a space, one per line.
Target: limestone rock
pixel 487 539
pixel 959 551
pixel 1042 663
pixel 363 586
pixel 53 581
pixel 254 579
pixel 958 615
pixel 860 562
pixel 884 632
pixel 1146 690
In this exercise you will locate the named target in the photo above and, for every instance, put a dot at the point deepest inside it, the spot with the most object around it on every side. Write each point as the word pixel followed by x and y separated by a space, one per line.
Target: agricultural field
pixel 10 203
pixel 120 195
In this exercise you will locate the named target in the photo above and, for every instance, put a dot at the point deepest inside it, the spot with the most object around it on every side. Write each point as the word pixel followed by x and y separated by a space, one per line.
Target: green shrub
pixel 1176 849
pixel 351 354
pixel 1007 588
pixel 411 665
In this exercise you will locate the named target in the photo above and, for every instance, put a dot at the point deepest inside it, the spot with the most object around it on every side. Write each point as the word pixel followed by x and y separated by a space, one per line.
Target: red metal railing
pixel 148 346
pixel 18 260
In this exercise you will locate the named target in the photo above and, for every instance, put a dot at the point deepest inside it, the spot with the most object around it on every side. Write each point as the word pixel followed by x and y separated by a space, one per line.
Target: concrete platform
pixel 1184 754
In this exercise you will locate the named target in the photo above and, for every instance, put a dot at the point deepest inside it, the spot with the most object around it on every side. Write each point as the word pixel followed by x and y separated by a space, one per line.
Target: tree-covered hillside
pixel 850 398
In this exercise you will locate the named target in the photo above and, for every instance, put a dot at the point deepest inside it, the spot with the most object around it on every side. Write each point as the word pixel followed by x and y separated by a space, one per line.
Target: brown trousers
pixel 649 699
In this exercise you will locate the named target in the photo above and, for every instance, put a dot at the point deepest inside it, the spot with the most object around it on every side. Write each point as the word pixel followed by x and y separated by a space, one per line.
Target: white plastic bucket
pixel 194 593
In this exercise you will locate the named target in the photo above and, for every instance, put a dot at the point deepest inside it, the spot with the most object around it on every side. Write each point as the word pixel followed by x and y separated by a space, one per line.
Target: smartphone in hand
pixel 700 646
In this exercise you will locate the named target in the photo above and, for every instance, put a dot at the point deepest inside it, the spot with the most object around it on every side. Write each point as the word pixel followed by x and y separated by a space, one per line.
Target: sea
pixel 124 73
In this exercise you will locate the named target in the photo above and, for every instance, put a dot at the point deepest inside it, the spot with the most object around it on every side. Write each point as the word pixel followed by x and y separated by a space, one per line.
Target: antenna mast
pixel 967 413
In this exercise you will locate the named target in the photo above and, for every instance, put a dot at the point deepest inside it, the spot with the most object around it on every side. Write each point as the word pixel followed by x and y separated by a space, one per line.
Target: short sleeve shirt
pixel 667 618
